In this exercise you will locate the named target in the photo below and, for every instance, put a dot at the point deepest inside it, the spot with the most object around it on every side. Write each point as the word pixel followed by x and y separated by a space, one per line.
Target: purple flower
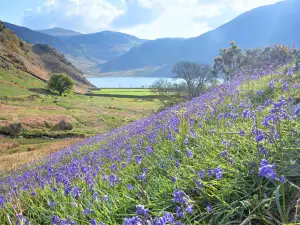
pixel 267 170
pixel 180 197
pixel 209 208
pixel 189 153
pixel 189 209
pixel 224 142
pixel 105 198
pixel 68 190
pixel 186 141
pixel 224 153
pixel 112 179
pixel 55 220
pixel 179 212
pixel 76 193
pixel 199 184
pixel 133 221
pixel 140 210
pixel 282 179
pixel 87 211
pixel 242 133
pixel 218 172
pixel 201 174
pixel 139 159
pixel 129 186
pixel 51 204
pixel 93 222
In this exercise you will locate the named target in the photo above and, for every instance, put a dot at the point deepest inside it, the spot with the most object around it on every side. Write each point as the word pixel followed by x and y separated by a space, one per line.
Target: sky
pixel 148 19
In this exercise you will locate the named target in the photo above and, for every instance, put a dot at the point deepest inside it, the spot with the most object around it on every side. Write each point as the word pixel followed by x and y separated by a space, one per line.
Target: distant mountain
pixel 85 51
pixel 260 27
pixel 40 60
pixel 59 32
pixel 105 45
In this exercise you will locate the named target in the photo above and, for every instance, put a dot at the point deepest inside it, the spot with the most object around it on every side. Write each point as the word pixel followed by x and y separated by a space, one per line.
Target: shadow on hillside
pixel 40 91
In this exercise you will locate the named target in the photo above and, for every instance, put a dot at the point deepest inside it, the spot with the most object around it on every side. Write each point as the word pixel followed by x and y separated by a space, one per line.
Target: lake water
pixel 124 82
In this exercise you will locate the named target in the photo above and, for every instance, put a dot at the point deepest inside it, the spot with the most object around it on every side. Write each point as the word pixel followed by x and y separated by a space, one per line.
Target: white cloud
pixel 174 18
pixel 83 15
pixel 188 18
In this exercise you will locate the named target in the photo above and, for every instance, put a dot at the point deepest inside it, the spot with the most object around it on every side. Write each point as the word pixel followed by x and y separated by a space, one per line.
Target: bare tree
pixel 195 75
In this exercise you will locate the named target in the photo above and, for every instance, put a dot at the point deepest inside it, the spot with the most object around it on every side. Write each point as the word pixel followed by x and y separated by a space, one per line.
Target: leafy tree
pixel 228 61
pixel 195 75
pixel 60 83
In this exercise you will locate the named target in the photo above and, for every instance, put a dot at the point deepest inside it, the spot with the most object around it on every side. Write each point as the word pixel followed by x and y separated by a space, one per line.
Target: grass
pixel 23 99
pixel 191 163
pixel 125 91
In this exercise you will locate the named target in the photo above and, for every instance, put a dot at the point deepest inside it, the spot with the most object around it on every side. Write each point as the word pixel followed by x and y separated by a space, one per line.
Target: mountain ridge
pixel 259 27
pixel 86 51
pixel 39 60
pixel 58 32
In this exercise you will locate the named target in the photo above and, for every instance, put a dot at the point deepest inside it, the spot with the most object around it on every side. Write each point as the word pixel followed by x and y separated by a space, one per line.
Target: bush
pixel 61 83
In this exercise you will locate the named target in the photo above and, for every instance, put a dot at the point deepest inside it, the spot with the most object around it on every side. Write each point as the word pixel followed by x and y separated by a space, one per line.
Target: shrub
pixel 61 83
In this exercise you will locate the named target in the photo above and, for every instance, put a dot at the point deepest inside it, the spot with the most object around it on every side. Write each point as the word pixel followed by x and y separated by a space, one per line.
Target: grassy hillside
pixel 24 100
pixel 39 60
pixel 86 51
pixel 230 156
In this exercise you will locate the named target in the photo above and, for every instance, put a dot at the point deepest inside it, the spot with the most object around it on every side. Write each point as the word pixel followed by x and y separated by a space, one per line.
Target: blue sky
pixel 148 19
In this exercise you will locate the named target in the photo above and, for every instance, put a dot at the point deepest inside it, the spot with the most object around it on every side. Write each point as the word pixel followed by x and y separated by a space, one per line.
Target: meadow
pixel 139 92
pixel 230 156
pixel 24 99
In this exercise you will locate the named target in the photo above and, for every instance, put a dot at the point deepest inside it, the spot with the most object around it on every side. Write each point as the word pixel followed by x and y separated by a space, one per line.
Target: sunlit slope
pixel 229 156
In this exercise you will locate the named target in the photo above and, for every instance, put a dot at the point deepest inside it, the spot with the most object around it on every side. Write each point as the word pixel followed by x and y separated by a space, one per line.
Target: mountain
pixel 39 60
pixel 59 32
pixel 86 51
pixel 260 27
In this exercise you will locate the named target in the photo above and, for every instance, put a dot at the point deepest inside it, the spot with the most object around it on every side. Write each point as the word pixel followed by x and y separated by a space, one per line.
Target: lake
pixel 124 82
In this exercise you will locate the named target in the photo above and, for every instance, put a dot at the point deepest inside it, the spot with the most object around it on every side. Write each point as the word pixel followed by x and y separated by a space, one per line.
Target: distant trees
pixel 61 83
pixel 230 60
pixel 195 76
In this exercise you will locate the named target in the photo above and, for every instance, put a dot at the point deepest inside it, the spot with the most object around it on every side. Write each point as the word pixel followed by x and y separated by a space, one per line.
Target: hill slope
pixel 86 51
pixel 39 60
pixel 230 156
pixel 263 26
pixel 59 32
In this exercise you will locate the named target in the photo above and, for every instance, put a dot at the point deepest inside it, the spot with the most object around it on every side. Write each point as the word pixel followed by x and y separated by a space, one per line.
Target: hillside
pixel 39 60
pixel 59 32
pixel 85 51
pixel 230 156
pixel 263 26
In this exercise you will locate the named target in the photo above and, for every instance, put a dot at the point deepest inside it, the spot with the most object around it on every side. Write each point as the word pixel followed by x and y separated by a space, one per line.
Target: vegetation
pixel 195 76
pixel 24 99
pixel 138 92
pixel 231 60
pixel 61 83
pixel 228 156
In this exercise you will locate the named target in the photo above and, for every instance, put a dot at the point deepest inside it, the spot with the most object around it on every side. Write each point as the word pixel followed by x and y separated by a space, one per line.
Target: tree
pixel 169 93
pixel 228 61
pixel 60 83
pixel 195 75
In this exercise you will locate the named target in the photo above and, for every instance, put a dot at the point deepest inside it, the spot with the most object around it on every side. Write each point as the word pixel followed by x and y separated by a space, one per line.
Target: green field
pixel 125 91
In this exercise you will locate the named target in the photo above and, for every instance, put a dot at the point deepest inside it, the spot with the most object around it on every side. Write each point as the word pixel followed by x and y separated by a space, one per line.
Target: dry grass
pixel 13 161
